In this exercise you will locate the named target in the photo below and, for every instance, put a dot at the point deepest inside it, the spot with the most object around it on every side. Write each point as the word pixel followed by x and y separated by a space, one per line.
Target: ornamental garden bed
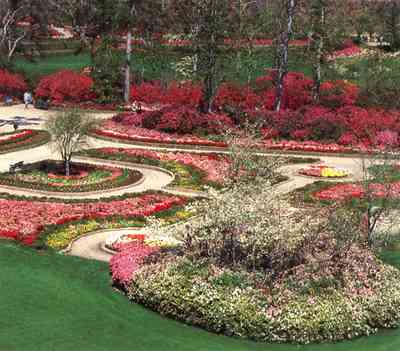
pixel 192 171
pixel 347 297
pixel 25 219
pixel 327 192
pixel 323 171
pixel 50 175
pixel 22 139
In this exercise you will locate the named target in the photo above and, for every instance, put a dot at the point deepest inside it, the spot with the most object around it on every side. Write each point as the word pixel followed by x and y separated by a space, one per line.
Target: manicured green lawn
pixel 53 302
pixel 161 65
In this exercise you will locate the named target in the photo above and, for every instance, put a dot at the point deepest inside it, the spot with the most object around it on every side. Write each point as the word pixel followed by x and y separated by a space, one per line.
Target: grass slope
pixel 53 302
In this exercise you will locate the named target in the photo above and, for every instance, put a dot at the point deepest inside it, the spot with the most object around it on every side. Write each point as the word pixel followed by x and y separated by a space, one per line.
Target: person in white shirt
pixel 27 99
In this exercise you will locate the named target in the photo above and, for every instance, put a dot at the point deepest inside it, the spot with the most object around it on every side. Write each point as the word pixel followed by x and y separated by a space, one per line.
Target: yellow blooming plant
pixel 330 172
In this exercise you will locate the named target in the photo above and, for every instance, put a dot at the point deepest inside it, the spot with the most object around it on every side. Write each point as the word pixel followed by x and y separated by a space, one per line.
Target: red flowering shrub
pixel 12 84
pixel 176 94
pixel 366 123
pixel 179 120
pixel 297 90
pixel 66 86
pixel 129 119
pixel 186 94
pixel 231 96
pixel 147 92
pixel 323 123
pixel 216 123
pixel 348 139
pixel 338 94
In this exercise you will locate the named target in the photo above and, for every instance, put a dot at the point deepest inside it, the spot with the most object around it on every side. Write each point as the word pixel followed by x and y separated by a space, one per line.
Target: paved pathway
pixel 90 246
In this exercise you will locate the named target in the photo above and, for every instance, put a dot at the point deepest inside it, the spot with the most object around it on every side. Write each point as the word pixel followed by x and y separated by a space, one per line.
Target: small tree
pixel 69 131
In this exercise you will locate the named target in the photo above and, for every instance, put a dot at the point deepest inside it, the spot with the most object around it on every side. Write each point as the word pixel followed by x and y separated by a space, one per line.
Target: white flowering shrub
pixel 253 266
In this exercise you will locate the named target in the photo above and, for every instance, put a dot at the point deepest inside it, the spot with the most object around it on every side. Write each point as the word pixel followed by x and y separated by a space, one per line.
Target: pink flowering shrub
pixel 125 263
pixel 387 138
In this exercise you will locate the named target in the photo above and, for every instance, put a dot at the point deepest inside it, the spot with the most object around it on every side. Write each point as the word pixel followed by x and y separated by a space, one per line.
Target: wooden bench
pixel 15 166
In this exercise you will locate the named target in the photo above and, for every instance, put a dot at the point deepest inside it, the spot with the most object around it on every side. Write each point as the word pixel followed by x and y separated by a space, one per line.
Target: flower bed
pixel 116 131
pixel 50 176
pixel 228 302
pixel 125 263
pixel 342 192
pixel 118 242
pixel 323 171
pixel 136 134
pixel 23 219
pixel 191 170
pixel 22 139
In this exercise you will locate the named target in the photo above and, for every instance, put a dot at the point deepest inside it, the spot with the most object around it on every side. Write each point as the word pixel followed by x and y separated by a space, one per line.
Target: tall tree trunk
pixel 283 54
pixel 319 52
pixel 127 90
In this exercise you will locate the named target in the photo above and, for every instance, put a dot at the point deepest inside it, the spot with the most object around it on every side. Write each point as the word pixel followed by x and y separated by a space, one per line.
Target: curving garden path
pixel 154 178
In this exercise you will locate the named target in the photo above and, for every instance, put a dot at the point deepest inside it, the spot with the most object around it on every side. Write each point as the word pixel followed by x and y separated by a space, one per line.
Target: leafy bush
pixel 12 84
pixel 66 86
pixel 215 299
pixel 180 120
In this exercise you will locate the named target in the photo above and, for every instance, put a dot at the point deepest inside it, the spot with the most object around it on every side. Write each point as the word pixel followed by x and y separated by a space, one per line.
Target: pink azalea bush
pixel 125 263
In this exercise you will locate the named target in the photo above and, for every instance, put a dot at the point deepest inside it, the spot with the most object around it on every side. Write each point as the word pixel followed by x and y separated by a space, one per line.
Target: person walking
pixel 28 99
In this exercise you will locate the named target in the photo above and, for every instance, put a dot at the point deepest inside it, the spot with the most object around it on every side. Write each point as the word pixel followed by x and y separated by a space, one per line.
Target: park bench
pixel 16 166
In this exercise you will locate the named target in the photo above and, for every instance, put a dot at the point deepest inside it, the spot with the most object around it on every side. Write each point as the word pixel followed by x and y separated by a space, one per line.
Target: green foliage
pixel 107 71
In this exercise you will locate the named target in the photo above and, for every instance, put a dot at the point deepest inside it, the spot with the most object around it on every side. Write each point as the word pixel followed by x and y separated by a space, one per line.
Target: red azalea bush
pixel 66 86
pixel 176 94
pixel 297 90
pixel 234 96
pixel 148 92
pixel 183 94
pixel 181 120
pixel 335 94
pixel 13 84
